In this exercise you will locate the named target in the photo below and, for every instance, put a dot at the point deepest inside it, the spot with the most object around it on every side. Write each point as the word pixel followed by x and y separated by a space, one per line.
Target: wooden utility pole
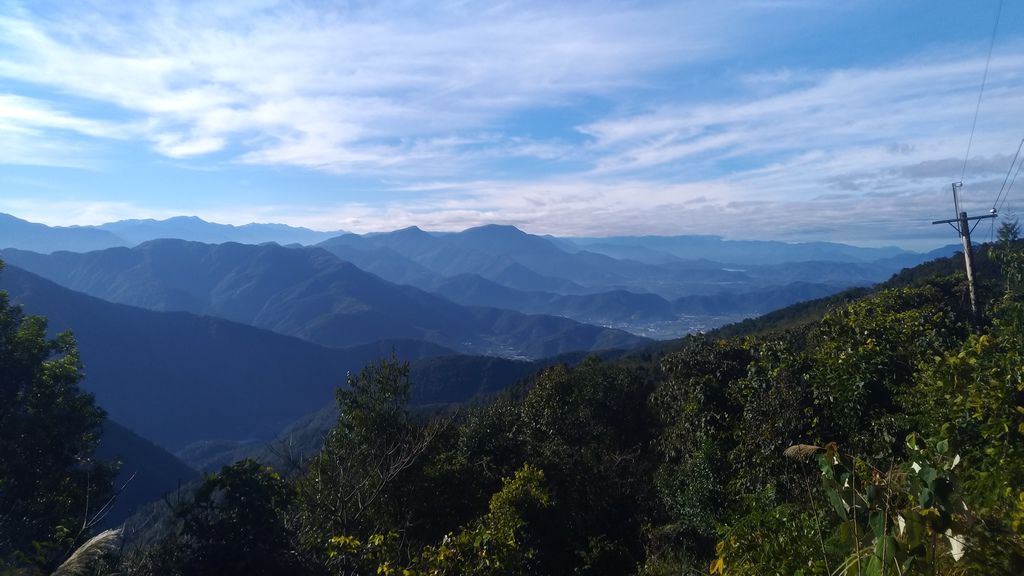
pixel 962 225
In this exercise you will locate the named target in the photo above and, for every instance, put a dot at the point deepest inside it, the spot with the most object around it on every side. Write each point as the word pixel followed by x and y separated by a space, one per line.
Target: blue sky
pixel 768 119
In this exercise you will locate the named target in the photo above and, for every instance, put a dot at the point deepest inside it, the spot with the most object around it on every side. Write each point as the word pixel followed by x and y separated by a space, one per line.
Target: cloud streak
pixel 428 100
pixel 343 89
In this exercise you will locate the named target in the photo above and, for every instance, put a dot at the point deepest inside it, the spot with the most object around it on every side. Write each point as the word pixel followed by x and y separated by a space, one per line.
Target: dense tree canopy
pixel 51 490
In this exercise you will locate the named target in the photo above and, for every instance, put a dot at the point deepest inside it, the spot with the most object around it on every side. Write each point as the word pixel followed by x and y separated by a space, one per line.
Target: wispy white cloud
pixel 423 97
pixel 888 137
pixel 17 111
pixel 851 117
pixel 27 128
pixel 342 88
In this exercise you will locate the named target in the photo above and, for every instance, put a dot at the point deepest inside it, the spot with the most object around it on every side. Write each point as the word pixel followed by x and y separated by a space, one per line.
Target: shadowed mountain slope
pixel 176 378
pixel 147 472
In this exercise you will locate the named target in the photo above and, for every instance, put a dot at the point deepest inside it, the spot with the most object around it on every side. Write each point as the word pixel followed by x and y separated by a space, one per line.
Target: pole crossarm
pixel 952 220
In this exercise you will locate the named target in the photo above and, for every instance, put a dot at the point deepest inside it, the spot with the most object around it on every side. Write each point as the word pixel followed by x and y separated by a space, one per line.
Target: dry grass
pixel 87 554
pixel 801 451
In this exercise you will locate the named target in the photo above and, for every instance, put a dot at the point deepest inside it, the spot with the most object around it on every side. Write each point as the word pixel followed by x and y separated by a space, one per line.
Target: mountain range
pixel 308 293
pixel 177 378
pixel 652 286
pixel 18 233
pixel 662 249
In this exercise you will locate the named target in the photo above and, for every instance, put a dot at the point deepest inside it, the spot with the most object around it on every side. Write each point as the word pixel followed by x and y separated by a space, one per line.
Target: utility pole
pixel 962 225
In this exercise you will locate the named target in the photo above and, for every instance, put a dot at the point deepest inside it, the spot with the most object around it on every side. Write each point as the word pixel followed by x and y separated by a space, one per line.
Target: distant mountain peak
pixel 12 218
pixel 408 234
pixel 496 228
pixel 505 239
pixel 411 231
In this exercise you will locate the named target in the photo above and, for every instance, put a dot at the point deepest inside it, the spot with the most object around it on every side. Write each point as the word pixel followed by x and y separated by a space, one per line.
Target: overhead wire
pixel 1010 187
pixel 981 92
pixel 996 206
pixel 1007 177
pixel 1005 198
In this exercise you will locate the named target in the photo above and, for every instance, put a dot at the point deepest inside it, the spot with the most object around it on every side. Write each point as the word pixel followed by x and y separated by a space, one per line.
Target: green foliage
pixel 52 492
pixel 695 414
pixel 350 555
pixel 587 428
pixel 774 410
pixel 908 518
pixel 1009 231
pixel 365 480
pixel 779 540
pixel 1009 255
pixel 864 355
pixel 975 396
pixel 237 522
pixel 502 542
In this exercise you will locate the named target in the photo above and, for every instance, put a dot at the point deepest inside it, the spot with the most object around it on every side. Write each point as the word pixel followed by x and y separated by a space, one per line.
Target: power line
pixel 1008 172
pixel 984 79
pixel 1007 196
pixel 1010 187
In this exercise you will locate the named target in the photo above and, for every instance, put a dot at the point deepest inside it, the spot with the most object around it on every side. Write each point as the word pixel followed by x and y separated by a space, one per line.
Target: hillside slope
pixel 177 378
pixel 146 472
pixel 308 293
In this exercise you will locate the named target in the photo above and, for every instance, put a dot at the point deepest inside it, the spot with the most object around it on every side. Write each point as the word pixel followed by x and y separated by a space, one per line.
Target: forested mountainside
pixel 513 259
pixel 650 286
pixel 178 378
pixel 642 284
pixel 440 383
pixel 883 436
pixel 308 293
pixel 146 473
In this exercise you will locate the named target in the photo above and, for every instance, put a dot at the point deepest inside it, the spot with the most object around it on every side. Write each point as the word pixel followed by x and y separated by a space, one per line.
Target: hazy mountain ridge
pixel 199 230
pixel 660 286
pixel 656 297
pixel 737 251
pixel 698 261
pixel 451 255
pixel 25 235
pixel 307 293
pixel 18 233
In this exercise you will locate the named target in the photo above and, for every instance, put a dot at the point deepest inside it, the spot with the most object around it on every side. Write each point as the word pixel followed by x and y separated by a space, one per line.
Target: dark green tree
pixel 588 428
pixel 52 491
pixel 1008 253
pixel 237 522
pixel 1009 231
pixel 695 415
pixel 365 480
